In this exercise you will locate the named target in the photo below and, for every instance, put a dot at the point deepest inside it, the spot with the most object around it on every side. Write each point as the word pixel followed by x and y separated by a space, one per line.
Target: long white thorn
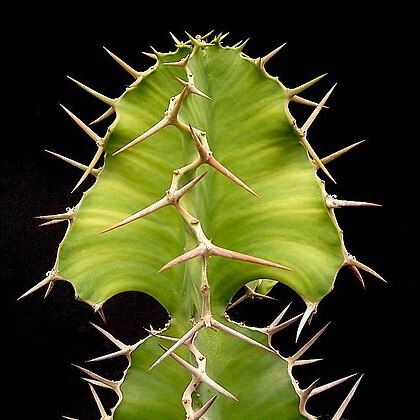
pixel 152 130
pixel 344 404
pixel 317 110
pixel 110 337
pixel 330 385
pixel 310 308
pixel 74 163
pixel 98 401
pixel 315 157
pixel 333 156
pixel 306 362
pixel 203 410
pixel 176 40
pixel 93 375
pixel 299 89
pixel 284 324
pixel 358 275
pixel 83 126
pixel 304 101
pixel 192 88
pixel 200 375
pixel 179 343
pixel 50 277
pixel 92 164
pixel 163 202
pixel 104 116
pixel 239 335
pixel 97 383
pixel 279 317
pixel 351 260
pixel 97 95
pixel 123 64
pixel 108 356
pixel 333 203
pixel 306 346
pixel 270 55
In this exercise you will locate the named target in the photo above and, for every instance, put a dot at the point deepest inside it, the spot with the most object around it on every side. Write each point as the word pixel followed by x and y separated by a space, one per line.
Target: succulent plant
pixel 207 186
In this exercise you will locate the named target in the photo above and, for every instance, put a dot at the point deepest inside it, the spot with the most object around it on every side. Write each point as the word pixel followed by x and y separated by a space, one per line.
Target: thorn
pixel 204 37
pixel 224 171
pixel 257 295
pixel 101 313
pixel 88 170
pixel 306 392
pixel 207 157
pixel 249 293
pixel 203 410
pixel 344 404
pixel 191 88
pixel 306 346
pixel 351 260
pixel 222 252
pixel 191 38
pixel 163 337
pixel 97 383
pixel 176 40
pixel 270 55
pixel 50 276
pixel 52 222
pixel 239 335
pixel 358 275
pixel 69 418
pixel 123 64
pixel 333 203
pixel 304 101
pixel 163 202
pixel 155 52
pixel 199 250
pixel 317 110
pixel 330 385
pixel 223 36
pixel 280 316
pixel 330 158
pixel 152 130
pixel 315 157
pixel 241 47
pixel 101 408
pixel 201 376
pixel 181 191
pixel 83 126
pixel 234 46
pixel 179 343
pixel 237 302
pixel 104 116
pixel 49 288
pixel 181 63
pixel 113 355
pixel 97 95
pixel 94 172
pixel 310 308
pixel 306 362
pixel 110 337
pixel 154 56
pixel 301 88
pixel 60 217
pixel 93 375
pixel 283 325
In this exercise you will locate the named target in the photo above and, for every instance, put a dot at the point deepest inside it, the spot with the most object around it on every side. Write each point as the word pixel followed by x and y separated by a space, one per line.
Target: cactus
pixel 208 186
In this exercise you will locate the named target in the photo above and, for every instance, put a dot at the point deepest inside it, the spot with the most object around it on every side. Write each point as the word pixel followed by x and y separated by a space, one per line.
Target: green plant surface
pixel 280 213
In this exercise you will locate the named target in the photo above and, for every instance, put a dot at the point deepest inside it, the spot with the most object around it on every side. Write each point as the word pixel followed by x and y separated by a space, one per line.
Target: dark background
pixel 371 329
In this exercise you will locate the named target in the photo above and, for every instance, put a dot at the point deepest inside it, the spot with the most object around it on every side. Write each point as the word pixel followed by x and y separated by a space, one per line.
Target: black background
pixel 371 330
